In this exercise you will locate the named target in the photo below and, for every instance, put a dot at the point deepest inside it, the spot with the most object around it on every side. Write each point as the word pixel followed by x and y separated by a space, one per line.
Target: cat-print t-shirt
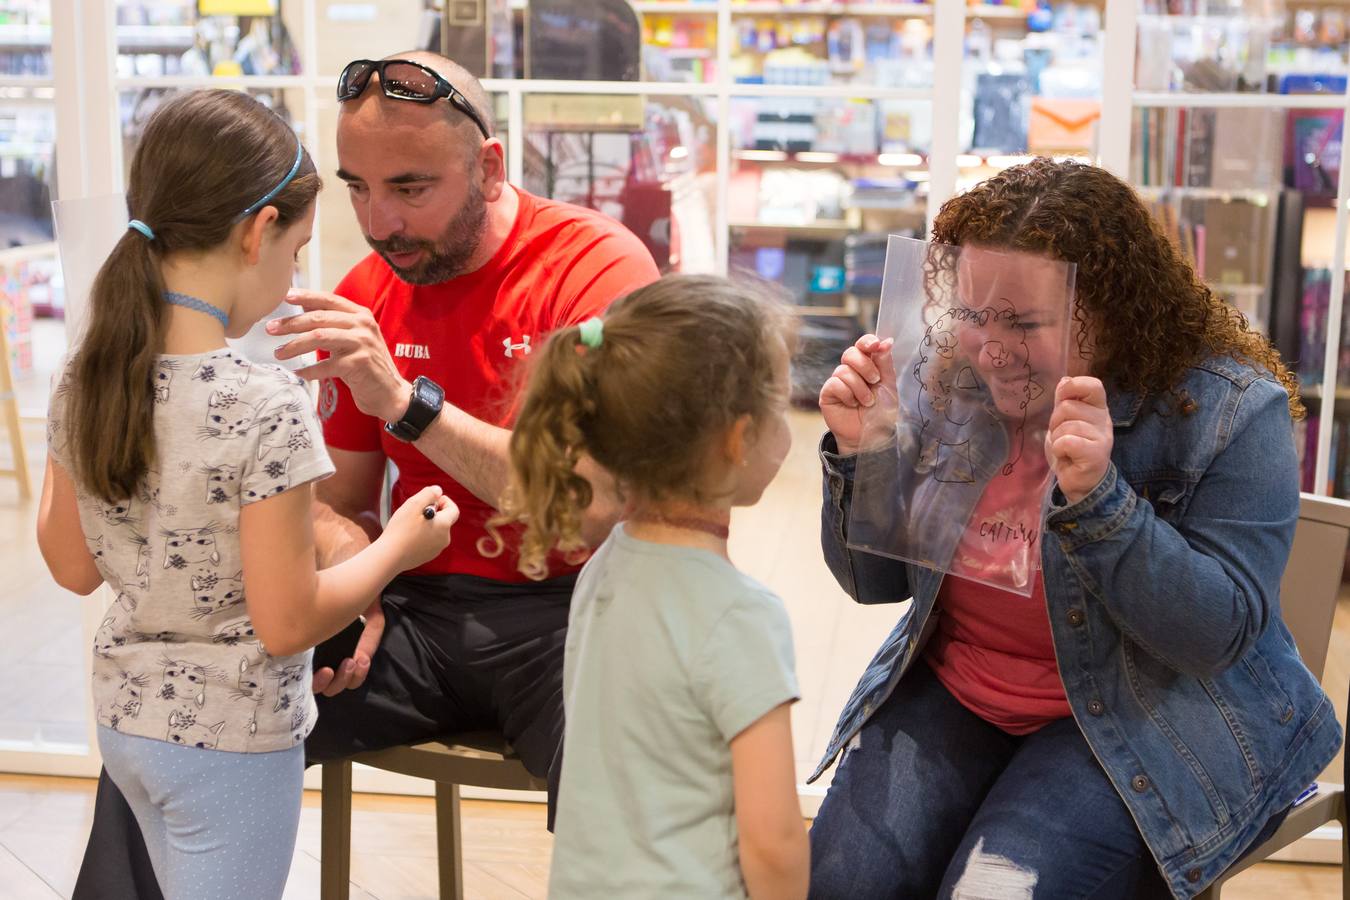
pixel 175 657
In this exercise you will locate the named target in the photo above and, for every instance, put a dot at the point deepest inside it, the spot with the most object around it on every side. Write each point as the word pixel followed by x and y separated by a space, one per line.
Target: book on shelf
pixel 1313 155
pixel 1305 442
pixel 1001 111
pixel 1313 313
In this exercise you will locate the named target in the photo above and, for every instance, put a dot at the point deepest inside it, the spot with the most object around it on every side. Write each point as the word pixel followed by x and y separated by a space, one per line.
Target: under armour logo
pixel 511 348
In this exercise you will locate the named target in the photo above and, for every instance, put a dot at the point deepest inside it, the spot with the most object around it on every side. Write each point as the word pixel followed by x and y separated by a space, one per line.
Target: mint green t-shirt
pixel 671 653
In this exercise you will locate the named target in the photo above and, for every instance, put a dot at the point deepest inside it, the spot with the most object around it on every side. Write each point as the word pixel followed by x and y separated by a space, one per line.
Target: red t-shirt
pixel 992 648
pixel 472 335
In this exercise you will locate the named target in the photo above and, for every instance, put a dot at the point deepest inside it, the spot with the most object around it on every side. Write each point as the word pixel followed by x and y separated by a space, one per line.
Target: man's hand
pixel 356 350
pixel 351 674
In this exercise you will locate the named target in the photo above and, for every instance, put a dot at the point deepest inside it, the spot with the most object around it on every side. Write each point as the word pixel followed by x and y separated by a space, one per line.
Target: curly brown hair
pixel 1148 315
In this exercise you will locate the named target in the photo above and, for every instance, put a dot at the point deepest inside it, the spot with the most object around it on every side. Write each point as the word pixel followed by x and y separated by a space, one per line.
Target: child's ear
pixel 737 441
pixel 254 230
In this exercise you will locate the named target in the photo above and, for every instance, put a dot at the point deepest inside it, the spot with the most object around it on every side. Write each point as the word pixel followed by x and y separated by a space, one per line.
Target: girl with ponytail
pixel 180 474
pixel 677 774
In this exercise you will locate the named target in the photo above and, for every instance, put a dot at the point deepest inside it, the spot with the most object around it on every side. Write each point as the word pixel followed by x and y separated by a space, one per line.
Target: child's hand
pixel 864 378
pixel 1081 436
pixel 417 539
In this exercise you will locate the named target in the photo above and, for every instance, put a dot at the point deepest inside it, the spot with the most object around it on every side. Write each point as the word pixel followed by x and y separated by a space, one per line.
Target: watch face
pixel 428 391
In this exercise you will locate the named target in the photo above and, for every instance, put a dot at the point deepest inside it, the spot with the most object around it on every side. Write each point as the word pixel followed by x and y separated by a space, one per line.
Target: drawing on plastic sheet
pixel 955 478
pixel 949 386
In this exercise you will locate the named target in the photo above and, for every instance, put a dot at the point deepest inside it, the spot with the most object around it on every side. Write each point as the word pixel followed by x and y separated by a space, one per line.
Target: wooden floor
pixel 44 822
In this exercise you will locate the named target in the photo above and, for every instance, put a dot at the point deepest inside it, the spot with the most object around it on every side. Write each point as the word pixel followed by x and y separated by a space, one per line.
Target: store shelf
pixel 819 158
pixel 685 52
pixel 1254 100
pixel 25 36
pixel 188 82
pixel 822 229
pixel 824 312
pixel 995 12
pixel 1313 392
pixel 1250 195
pixel 656 8
pixel 1220 287
pixel 25 151
pixel 155 38
pixel 134 38
pixel 889 10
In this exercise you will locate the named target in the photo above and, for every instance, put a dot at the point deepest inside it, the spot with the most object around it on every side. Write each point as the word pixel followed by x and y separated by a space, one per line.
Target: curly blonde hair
pixel 680 361
pixel 1149 315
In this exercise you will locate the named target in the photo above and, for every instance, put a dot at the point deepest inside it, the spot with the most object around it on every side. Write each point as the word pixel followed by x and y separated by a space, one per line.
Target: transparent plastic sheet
pixel 87 229
pixel 954 477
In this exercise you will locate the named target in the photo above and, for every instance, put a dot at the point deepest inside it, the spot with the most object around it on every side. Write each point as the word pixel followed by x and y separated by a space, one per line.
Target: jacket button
pixel 1096 708
pixel 1075 617
pixel 1139 783
pixel 1193 876
pixel 1287 717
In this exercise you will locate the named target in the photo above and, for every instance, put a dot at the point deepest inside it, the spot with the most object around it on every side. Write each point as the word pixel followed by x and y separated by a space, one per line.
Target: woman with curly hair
pixel 1143 718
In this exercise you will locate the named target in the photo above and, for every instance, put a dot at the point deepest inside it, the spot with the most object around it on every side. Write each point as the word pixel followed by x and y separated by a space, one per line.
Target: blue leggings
pixel 218 825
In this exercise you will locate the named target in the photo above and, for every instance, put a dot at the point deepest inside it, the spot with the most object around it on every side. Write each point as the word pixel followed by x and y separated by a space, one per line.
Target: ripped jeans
pixel 932 801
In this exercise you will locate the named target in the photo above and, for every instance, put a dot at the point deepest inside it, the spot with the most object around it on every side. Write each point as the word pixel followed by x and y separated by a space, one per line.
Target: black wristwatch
pixel 423 409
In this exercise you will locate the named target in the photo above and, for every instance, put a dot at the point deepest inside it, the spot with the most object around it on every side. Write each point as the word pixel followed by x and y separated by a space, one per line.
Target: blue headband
pixel 299 155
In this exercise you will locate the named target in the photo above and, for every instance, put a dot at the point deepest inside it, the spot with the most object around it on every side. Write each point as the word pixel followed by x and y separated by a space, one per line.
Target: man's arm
pixel 469 450
pixel 477 455
pixel 347 506
pixel 346 520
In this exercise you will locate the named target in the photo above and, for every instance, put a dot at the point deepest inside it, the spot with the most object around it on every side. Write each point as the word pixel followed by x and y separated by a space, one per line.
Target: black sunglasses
pixel 402 79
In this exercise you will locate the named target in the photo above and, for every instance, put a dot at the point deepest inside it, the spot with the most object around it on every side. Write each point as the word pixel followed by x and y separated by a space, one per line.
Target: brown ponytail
pixel 680 360
pixel 206 156
pixel 547 442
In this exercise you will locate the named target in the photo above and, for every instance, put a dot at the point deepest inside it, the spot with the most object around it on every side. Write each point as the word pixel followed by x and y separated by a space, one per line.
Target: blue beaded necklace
pixel 199 305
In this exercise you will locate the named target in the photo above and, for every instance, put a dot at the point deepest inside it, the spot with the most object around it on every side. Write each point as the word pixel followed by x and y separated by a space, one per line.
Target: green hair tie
pixel 592 332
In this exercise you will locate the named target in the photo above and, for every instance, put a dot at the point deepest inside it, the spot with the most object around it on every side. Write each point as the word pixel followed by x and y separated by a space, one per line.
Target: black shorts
pixel 459 653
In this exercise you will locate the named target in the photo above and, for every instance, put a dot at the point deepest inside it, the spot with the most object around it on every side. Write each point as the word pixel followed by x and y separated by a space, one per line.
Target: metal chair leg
pixel 335 834
pixel 449 857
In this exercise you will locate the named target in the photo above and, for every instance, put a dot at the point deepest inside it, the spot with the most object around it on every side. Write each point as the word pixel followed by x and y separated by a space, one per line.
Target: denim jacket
pixel 1162 588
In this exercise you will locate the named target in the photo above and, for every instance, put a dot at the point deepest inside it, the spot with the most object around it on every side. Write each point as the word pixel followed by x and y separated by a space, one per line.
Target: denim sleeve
pixel 1198 595
pixel 867 577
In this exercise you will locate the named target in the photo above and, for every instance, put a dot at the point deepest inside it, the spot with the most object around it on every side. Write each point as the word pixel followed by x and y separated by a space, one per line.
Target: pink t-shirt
pixel 992 649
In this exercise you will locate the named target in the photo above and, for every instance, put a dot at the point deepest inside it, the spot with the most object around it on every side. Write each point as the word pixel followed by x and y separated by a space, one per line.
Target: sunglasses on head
pixel 402 79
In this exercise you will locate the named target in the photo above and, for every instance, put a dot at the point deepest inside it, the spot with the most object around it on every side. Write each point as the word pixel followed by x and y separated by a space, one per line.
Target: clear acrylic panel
pixel 816 187
pixel 380 28
pixel 27 167
pixel 207 37
pixel 646 161
pixel 955 477
pixel 1208 47
pixel 1248 195
pixel 25 39
pixel 46 709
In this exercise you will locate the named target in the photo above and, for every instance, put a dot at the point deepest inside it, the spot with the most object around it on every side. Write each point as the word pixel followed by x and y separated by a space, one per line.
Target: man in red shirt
pixel 424 348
